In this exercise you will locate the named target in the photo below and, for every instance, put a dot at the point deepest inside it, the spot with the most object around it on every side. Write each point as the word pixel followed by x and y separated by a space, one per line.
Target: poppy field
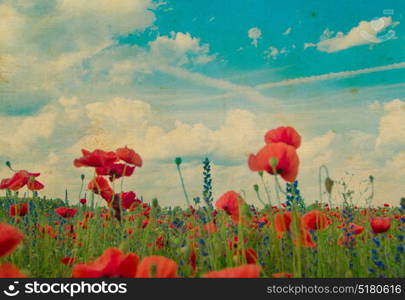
pixel 108 231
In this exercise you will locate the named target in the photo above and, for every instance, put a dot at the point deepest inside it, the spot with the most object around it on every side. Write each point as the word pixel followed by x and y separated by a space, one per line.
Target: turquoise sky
pixel 324 67
pixel 224 25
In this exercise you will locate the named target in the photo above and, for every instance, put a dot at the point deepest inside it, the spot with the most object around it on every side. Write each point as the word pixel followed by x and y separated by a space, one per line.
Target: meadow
pixel 113 233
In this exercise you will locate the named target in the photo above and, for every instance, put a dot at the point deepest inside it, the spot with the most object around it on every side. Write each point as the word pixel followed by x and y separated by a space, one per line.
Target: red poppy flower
pixel 99 185
pixel 210 227
pixel 20 179
pixel 10 238
pixel 129 156
pixel 115 171
pixel 355 229
pixel 305 239
pixel 315 220
pixel 19 209
pixel 68 261
pixel 286 156
pixel 112 263
pixel 244 271
pixel 230 202
pixel 282 275
pixel 193 259
pixel 251 256
pixel 282 223
pixel 4 183
pixel 97 158
pixel 83 201
pixel 88 215
pixel 48 230
pixel 157 267
pixel 66 212
pixel 10 271
pixel 380 224
pixel 287 135
pixel 145 223
pixel 128 199
pixel 160 242
pixel 34 185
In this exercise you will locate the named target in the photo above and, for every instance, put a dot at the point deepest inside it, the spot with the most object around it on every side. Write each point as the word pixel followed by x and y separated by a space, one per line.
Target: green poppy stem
pixel 182 184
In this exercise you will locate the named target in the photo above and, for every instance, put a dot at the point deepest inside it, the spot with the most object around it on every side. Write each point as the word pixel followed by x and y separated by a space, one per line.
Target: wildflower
pixel 48 230
pixel 99 185
pixel 160 242
pixel 145 223
pixel 282 223
pixel 20 179
pixel 282 275
pixel 66 212
pixel 129 156
pixel 129 200
pixel 315 220
pixel 287 135
pixel 305 239
pixel 83 201
pixel 115 171
pixel 20 209
pixel 244 271
pixel 355 229
pixel 10 271
pixel 157 267
pixel 285 160
pixel 112 263
pixel 68 261
pixel 380 224
pixel 210 227
pixel 97 158
pixel 192 259
pixel 230 202
pixel 10 238
pixel 251 256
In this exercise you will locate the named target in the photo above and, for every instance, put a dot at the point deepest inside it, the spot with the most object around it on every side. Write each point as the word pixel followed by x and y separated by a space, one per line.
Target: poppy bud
pixel 256 187
pixel 82 177
pixel 178 161
pixel 155 202
pixel 329 185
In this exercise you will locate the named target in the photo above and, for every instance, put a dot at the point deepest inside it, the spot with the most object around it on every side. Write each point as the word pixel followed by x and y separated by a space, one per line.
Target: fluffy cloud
pixel 51 139
pixel 179 48
pixel 254 34
pixel 287 31
pixel 366 32
pixel 42 40
pixel 392 125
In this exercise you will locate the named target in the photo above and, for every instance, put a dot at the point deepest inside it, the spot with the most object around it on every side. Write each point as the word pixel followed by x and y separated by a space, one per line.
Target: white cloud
pixel 317 146
pixel 254 34
pixel 272 52
pixel 366 32
pixel 42 40
pixel 50 140
pixel 329 76
pixel 179 48
pixel 392 125
pixel 287 31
